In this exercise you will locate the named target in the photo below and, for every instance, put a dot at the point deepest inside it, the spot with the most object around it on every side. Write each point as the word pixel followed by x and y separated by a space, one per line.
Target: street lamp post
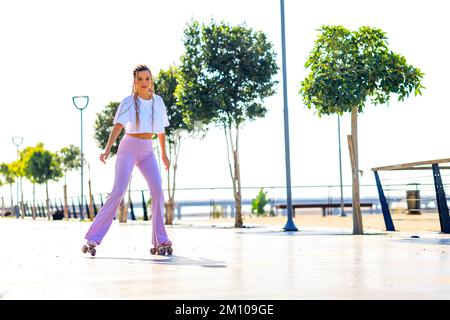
pixel 17 141
pixel 290 225
pixel 86 98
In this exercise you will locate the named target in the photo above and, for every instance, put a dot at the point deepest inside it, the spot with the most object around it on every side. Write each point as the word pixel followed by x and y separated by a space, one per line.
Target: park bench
pixel 323 206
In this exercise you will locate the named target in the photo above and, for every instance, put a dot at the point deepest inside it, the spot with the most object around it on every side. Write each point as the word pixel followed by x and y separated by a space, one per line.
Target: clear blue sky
pixel 53 50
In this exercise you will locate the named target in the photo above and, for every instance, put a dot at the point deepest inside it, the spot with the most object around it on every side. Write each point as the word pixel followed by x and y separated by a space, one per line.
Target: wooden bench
pixel 322 205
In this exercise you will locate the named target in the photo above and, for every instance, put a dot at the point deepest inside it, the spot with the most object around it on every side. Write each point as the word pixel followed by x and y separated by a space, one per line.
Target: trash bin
pixel 413 201
pixel 58 215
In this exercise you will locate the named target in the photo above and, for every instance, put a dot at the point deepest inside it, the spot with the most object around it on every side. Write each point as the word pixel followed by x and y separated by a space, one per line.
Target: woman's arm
pixel 162 143
pixel 112 138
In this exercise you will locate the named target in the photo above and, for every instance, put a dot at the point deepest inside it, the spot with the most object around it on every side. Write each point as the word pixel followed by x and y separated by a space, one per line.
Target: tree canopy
pixel 165 86
pixel 40 165
pixel 348 67
pixel 225 73
pixel 70 158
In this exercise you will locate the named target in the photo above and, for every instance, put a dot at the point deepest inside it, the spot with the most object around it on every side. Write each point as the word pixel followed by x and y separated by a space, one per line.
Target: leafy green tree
pixel 7 173
pixel 165 86
pixel 70 158
pixel 41 166
pixel 348 67
pixel 104 125
pixel 225 73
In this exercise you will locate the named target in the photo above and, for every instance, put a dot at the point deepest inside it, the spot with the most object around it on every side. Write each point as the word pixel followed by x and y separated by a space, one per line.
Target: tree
pixel 70 158
pixel 7 173
pixel 225 73
pixel 165 86
pixel 348 67
pixel 40 166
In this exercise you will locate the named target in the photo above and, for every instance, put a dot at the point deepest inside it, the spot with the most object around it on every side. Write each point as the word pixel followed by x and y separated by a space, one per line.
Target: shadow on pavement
pixel 170 260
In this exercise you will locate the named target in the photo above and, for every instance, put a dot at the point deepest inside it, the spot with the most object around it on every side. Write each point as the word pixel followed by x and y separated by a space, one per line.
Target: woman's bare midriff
pixel 142 135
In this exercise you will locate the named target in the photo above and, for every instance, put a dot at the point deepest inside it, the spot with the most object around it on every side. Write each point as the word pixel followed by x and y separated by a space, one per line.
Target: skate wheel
pixel 169 251
pixel 84 249
pixel 153 250
pixel 93 251
pixel 161 251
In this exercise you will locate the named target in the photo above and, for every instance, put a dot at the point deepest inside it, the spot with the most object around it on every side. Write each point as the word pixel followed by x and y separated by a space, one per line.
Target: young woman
pixel 142 114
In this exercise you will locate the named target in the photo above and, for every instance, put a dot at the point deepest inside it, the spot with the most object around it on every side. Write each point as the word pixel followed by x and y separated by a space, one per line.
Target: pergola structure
pixel 433 165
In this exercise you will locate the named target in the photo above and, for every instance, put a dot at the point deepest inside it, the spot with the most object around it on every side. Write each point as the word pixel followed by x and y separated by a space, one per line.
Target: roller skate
pixel 90 247
pixel 163 249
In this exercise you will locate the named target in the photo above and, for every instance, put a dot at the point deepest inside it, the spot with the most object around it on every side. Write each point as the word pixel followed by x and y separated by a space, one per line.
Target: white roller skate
pixel 90 247
pixel 163 249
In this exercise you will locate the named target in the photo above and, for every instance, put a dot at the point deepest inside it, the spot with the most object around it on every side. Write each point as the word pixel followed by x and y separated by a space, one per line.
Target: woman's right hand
pixel 104 156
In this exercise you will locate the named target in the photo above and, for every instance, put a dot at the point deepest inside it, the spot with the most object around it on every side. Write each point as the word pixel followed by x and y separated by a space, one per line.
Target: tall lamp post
pixel 81 108
pixel 290 225
pixel 17 140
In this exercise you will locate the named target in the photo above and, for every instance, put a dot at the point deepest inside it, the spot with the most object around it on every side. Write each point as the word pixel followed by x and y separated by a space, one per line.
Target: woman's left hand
pixel 166 161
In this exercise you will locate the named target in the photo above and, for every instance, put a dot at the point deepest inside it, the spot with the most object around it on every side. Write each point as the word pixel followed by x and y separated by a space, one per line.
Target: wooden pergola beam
pixel 413 165
pixel 413 168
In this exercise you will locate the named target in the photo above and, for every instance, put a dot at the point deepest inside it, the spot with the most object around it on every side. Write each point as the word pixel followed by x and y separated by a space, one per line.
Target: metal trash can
pixel 413 201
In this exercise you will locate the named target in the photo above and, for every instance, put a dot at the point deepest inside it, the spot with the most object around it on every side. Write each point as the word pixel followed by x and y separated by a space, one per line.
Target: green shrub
pixel 217 211
pixel 260 202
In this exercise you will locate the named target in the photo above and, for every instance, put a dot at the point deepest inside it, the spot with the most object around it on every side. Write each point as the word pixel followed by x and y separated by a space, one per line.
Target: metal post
pixel 144 206
pixel 82 168
pixel 343 214
pixel 441 199
pixel 384 204
pixel 95 207
pixel 74 214
pixel 17 141
pixel 290 225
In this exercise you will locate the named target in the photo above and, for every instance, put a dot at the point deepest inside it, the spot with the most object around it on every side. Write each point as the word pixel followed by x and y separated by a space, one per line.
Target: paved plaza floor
pixel 43 260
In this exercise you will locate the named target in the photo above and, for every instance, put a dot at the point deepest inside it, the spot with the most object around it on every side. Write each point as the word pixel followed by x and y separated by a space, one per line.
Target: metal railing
pixel 200 202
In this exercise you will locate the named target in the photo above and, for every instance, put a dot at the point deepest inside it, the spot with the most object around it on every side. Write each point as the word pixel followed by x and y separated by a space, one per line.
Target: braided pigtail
pixel 140 68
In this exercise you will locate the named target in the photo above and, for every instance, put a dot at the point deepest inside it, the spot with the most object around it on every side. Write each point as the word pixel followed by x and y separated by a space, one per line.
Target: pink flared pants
pixel 132 151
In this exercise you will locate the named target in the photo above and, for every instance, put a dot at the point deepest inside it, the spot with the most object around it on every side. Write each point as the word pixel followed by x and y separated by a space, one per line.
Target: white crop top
pixel 126 115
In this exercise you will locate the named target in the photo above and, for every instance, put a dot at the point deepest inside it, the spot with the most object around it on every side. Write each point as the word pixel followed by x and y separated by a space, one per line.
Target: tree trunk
pixel 174 151
pixel 353 149
pixel 91 206
pixel 3 207
pixel 123 207
pixel 34 201
pixel 170 206
pixel 238 194
pixel 22 205
pixel 122 211
pixel 49 214
pixel 235 174
pixel 66 206
pixel 12 200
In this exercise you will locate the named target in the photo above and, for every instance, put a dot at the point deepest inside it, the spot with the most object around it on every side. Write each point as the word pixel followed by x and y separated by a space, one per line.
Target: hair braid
pixel 139 68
